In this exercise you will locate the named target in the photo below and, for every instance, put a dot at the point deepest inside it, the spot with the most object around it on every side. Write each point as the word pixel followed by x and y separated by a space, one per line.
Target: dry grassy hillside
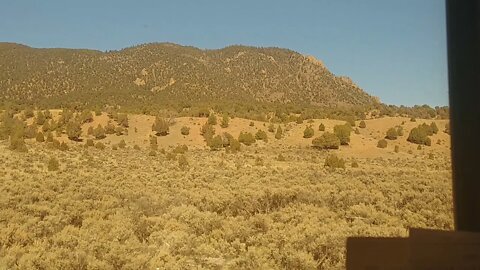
pixel 272 205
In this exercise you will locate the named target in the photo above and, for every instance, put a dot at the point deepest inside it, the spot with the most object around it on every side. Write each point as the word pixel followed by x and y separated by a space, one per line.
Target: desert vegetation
pixel 84 189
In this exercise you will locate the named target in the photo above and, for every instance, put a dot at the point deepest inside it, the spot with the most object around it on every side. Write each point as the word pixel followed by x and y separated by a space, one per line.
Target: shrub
pixel 46 126
pixel 279 133
pixel 100 145
pixel 109 128
pixel 122 120
pixel 413 119
pixel 308 132
pixel 434 128
pixel 89 143
pixel 252 124
pixel 362 124
pixel 160 127
pixel 114 147
pixel 74 130
pixel 259 161
pixel 63 147
pixel 216 143
pixel 334 162
pixel 53 164
pixel 182 162
pixel 343 133
pixel 180 149
pixel 207 131
pixel 234 146
pixel 354 164
pixel 391 134
pixel 90 131
pixel 357 131
pixel 261 135
pixel 17 143
pixel 281 157
pixel 212 119
pixel 40 138
pixel 49 137
pixel 99 132
pixel 400 131
pixel 136 147
pixel 397 149
pixel 299 120
pixel 419 147
pixel 246 138
pixel 271 128
pixel 447 128
pixel 326 141
pixel 321 127
pixel 119 131
pixel 419 135
pixel 30 132
pixel 382 143
pixel 152 153
pixel 40 119
pixel 122 144
pixel 185 130
pixel 153 143
pixel 225 121
pixel 86 117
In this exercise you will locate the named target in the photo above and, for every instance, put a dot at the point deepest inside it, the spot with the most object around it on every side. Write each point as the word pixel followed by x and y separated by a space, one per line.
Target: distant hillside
pixel 170 73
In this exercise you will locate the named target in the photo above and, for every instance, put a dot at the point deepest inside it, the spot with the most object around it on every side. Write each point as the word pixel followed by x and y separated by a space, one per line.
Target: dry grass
pixel 125 209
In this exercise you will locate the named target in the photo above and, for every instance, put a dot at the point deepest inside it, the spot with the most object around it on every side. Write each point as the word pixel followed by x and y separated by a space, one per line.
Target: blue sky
pixel 395 50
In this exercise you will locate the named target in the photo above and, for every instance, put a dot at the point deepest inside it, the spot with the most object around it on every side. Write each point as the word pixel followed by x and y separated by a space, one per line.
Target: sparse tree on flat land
pixel 326 141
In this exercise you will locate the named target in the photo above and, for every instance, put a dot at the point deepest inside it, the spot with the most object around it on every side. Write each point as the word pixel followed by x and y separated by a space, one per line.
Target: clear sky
pixel 393 49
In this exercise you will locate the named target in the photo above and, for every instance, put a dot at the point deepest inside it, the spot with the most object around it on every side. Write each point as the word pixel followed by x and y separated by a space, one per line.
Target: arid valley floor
pixel 272 205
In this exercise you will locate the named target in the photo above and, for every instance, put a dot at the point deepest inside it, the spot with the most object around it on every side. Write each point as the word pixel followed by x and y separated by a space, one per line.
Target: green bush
pixel 225 121
pixel 391 134
pixel 180 149
pixel 100 145
pixel 334 162
pixel 17 143
pixel 419 135
pixel 212 119
pixel 321 127
pixel 122 144
pixel 160 127
pixel 99 132
pixel 122 120
pixel 90 143
pixel 119 130
pixel 234 146
pixel 53 164
pixel 207 131
pixel 326 141
pixel 182 162
pixel 40 138
pixel 261 135
pixel 308 132
pixel 434 128
pixel 397 149
pixel 343 133
pixel 74 130
pixel 279 133
pixel 271 128
pixel 252 124
pixel 185 130
pixel 246 138
pixel 354 164
pixel 136 147
pixel 362 124
pixel 216 143
pixel 109 128
pixel 382 143
pixel 399 130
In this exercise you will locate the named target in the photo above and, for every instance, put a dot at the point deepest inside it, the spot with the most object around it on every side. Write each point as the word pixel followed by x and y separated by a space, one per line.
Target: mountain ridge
pixel 173 72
